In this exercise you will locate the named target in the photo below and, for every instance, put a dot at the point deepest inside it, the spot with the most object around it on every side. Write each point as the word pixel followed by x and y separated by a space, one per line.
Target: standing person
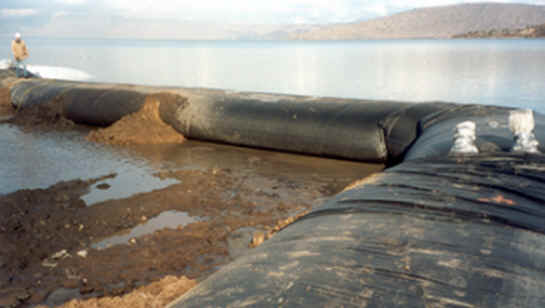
pixel 20 53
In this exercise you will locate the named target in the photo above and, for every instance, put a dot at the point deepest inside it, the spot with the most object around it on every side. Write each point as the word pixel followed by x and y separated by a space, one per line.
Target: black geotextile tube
pixel 345 128
pixel 81 103
pixel 444 232
pixel 99 106
pixel 366 130
pixel 436 130
pixel 28 94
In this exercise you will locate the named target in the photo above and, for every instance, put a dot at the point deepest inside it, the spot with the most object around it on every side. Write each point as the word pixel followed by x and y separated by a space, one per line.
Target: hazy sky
pixel 50 17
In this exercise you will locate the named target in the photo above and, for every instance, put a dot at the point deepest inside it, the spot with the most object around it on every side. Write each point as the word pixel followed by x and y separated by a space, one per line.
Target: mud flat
pixel 50 235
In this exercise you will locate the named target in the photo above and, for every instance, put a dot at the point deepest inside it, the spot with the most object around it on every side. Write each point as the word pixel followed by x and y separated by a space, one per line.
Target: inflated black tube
pixel 374 131
pixel 82 103
pixel 436 130
pixel 99 106
pixel 427 233
pixel 38 91
pixel 321 126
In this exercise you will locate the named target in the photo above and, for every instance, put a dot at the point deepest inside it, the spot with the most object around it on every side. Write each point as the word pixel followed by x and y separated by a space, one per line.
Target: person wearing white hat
pixel 20 53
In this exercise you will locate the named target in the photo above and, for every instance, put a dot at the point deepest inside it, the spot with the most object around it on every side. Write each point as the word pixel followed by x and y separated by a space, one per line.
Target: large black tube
pixel 444 232
pixel 321 126
pixel 28 94
pixel 99 106
pixel 82 103
pixel 375 131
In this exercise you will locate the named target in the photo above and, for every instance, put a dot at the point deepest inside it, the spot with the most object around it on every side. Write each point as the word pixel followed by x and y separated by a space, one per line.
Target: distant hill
pixel 474 20
pixel 432 22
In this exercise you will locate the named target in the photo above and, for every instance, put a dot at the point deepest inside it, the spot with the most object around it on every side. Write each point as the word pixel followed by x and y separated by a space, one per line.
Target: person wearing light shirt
pixel 20 53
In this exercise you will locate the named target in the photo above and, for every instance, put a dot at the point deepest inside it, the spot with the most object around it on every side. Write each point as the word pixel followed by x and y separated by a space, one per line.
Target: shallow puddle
pixel 168 219
pixel 38 160
pixel 124 185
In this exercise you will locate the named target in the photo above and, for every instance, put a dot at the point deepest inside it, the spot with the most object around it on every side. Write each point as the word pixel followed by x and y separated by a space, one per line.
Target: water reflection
pixel 168 219
pixel 196 155
pixel 39 160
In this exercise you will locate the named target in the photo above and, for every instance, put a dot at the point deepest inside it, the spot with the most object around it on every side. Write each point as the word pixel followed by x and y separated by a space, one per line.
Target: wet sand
pixel 59 249
pixel 142 127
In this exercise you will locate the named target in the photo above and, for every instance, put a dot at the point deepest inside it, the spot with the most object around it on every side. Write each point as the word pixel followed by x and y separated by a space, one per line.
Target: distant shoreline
pixel 529 32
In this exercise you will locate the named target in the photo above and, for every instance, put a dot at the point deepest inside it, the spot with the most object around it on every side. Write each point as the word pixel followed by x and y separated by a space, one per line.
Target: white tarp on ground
pixel 53 72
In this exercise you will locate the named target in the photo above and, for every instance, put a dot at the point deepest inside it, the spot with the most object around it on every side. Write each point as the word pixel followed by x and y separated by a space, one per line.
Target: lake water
pixel 499 72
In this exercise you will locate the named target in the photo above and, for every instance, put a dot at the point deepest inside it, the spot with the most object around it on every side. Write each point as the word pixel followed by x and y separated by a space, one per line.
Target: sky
pixel 159 17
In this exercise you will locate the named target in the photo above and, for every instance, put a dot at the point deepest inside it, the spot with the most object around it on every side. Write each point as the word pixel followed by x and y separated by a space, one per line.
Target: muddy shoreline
pixel 48 233
pixel 51 234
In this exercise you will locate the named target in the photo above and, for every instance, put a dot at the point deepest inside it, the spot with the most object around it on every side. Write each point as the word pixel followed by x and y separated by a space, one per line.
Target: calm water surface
pixel 500 72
